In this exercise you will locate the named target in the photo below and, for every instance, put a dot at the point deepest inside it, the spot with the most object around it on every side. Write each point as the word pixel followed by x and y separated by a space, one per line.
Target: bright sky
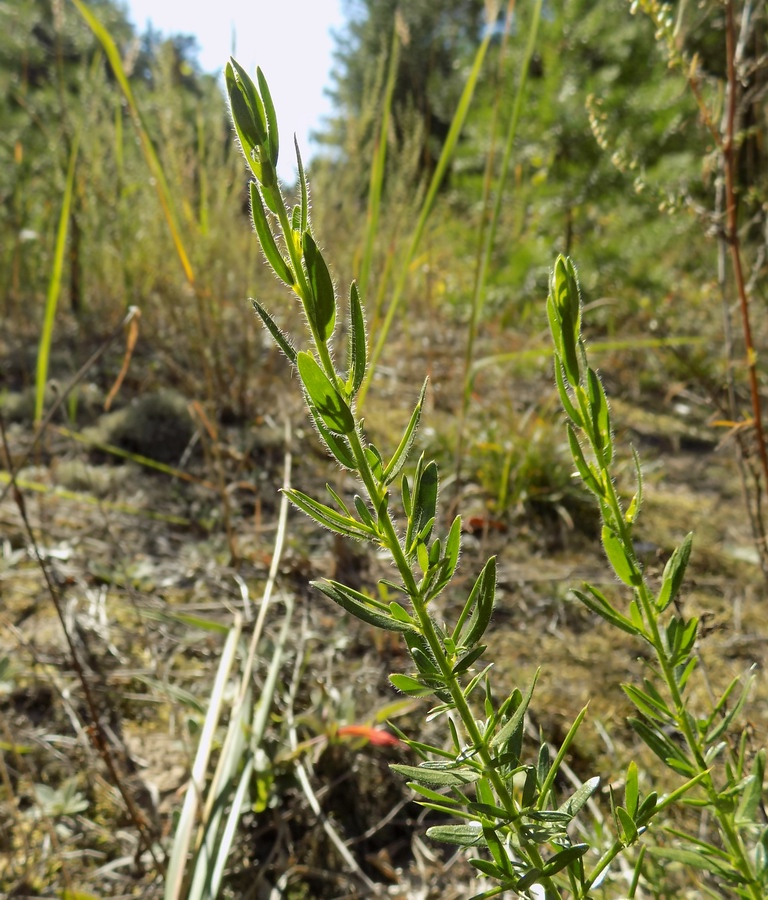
pixel 273 34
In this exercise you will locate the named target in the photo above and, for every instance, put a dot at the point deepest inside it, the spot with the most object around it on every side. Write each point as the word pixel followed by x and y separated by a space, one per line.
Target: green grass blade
pixel 54 284
pixel 489 238
pixel 153 161
pixel 378 168
pixel 446 155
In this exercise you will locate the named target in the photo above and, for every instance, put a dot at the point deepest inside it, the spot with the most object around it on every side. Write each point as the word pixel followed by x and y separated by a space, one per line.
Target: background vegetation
pixel 149 526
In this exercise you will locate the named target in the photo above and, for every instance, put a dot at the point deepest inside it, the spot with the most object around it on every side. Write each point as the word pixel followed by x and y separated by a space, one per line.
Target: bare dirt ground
pixel 137 558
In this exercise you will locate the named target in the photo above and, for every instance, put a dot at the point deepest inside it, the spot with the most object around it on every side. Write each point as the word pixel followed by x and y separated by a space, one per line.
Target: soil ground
pixel 133 554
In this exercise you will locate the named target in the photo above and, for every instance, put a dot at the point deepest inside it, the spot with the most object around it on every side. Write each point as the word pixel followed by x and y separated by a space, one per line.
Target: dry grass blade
pixel 227 787
pixel 182 844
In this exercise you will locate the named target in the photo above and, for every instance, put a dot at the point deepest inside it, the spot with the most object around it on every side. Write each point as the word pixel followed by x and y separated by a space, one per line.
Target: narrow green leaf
pixel 468 659
pixel 278 336
pixel 661 745
pixel 364 512
pixel 516 720
pixel 338 501
pixel 587 475
pixel 491 870
pixel 726 718
pixel 322 288
pixel 54 283
pixel 436 797
pixel 601 419
pixel 548 780
pixel 358 342
pixel 328 517
pixel 360 606
pixel 328 401
pixel 529 879
pixel 481 602
pixel 404 447
pixel 565 397
pixel 627 826
pixel 622 564
pixel 413 687
pixel 303 223
pixel 564 858
pixel 596 602
pixel 425 502
pixel 498 851
pixel 267 239
pixel 566 304
pixel 460 835
pixel 631 790
pixel 747 810
pixel 579 798
pixel 441 774
pixel 270 116
pixel 695 859
pixel 337 445
pixel 648 705
pixel 674 573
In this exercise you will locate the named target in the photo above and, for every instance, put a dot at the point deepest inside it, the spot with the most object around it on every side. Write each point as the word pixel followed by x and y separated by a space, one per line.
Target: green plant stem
pixel 683 719
pixel 392 543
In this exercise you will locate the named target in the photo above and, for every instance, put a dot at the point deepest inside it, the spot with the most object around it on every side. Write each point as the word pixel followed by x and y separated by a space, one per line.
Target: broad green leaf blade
pixel 267 239
pixel 321 285
pixel 360 606
pixel 277 335
pixel 332 407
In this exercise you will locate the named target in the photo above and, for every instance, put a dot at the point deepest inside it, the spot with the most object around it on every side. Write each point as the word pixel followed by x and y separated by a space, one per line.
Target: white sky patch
pixel 289 39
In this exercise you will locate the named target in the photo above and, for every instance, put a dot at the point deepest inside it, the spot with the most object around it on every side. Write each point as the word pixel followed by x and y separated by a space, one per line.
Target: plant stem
pixel 733 236
pixel 391 541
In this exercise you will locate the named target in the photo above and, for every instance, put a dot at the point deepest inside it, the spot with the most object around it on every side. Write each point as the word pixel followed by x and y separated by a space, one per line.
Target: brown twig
pixel 734 242
pixel 97 732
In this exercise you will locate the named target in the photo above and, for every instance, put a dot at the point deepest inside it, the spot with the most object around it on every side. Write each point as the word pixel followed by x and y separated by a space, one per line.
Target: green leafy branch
pixel 695 746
